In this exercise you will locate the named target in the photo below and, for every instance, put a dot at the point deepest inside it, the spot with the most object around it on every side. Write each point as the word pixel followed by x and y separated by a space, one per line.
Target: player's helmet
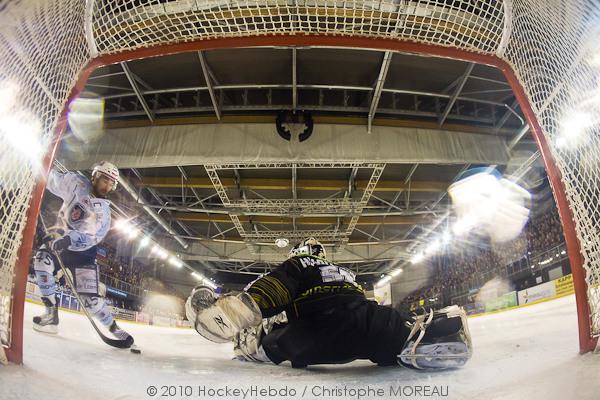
pixel 310 246
pixel 108 169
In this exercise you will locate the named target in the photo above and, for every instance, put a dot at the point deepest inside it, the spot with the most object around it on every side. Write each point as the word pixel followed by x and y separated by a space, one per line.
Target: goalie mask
pixel 310 246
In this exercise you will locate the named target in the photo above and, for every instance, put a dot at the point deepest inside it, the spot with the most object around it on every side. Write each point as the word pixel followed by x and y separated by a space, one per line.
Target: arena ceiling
pixel 194 135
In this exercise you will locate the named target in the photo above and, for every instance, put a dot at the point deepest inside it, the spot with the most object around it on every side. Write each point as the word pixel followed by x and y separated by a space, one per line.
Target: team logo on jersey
pixel 77 213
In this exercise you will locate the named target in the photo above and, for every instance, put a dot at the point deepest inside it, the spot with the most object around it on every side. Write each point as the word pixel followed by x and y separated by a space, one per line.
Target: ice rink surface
pixel 528 353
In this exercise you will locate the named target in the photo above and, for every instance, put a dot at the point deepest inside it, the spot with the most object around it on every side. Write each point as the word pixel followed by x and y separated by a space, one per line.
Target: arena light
pixel 8 95
pixel 163 254
pixel 133 233
pixel 396 272
pixel 281 242
pixel 197 275
pixel 384 280
pixel 122 225
pixel 145 241
pixel 23 133
pixel 573 126
pixel 433 247
pixel 174 261
pixel 417 258
pixel 463 225
pixel 446 237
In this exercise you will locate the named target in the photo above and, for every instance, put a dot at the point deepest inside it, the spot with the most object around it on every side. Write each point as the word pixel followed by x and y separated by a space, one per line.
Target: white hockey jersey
pixel 85 218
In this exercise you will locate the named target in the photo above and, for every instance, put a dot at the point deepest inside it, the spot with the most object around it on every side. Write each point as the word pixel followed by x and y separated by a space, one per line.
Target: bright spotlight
pixel 163 254
pixel 122 225
pixel 145 241
pixel 133 233
pixel 573 126
pixel 384 280
pixel 23 133
pixel 446 237
pixel 417 258
pixel 174 261
pixel 8 96
pixel 433 247
pixel 396 272
pixel 281 242
pixel 196 275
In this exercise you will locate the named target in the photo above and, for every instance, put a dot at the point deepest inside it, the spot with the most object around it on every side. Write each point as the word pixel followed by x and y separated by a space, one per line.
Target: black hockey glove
pixel 56 240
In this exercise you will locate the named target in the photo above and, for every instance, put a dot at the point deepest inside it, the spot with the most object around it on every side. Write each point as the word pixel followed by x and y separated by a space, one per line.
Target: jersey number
pixel 333 273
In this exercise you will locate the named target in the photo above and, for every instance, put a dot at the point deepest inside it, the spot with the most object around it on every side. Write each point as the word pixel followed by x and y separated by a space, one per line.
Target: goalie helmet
pixel 310 246
pixel 107 169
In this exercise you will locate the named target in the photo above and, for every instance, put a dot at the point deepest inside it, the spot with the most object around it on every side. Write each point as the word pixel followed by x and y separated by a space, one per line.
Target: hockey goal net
pixel 548 50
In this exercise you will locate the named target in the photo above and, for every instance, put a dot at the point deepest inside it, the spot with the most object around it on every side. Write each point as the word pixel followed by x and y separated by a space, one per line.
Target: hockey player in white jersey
pixel 83 222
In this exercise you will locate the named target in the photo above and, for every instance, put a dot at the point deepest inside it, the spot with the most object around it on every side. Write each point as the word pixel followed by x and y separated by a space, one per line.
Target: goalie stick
pixel 118 343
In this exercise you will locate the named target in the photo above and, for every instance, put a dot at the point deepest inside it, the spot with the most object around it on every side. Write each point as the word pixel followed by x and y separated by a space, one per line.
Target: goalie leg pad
pixel 221 321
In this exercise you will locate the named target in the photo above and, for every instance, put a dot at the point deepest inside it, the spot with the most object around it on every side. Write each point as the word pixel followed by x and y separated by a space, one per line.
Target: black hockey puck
pixel 135 350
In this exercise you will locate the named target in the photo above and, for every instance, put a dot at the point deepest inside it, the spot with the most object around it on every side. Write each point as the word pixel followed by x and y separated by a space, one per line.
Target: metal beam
pixel 456 93
pixel 137 91
pixel 316 220
pixel 510 110
pixel 351 182
pixel 253 86
pixel 392 204
pixel 294 182
pixel 517 138
pixel 209 84
pixel 294 80
pixel 127 186
pixel 303 184
pixel 383 70
pixel 377 171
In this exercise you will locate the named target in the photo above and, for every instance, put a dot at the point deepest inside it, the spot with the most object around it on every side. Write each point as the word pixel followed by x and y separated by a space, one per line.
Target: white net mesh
pixel 557 62
pixel 551 45
pixel 42 51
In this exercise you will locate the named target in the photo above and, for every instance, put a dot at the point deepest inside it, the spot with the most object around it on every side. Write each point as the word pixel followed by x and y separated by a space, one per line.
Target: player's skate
pixel 438 340
pixel 48 322
pixel 120 333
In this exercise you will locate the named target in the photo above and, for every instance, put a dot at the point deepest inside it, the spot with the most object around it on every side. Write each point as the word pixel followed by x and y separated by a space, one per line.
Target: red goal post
pixel 545 50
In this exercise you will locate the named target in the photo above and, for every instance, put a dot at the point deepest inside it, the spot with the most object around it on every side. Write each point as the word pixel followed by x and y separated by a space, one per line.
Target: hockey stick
pixel 119 343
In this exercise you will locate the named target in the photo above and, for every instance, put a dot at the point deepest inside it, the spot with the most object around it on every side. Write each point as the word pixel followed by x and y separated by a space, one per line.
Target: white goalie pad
pixel 221 321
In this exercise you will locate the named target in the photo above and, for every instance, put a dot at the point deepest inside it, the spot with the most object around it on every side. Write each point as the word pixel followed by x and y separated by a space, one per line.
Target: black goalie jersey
pixel 303 285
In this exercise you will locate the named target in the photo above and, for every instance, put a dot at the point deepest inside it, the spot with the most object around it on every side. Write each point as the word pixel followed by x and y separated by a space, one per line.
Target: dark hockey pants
pixel 360 330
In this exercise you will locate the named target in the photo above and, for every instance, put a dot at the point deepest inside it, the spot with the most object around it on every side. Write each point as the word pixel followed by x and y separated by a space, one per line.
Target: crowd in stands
pixel 457 266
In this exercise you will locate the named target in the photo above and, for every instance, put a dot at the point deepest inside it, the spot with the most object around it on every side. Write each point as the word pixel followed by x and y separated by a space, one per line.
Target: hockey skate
pixel 48 322
pixel 438 340
pixel 121 334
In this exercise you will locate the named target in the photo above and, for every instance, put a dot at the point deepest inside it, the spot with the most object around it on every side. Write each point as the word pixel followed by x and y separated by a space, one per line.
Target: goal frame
pixel 587 342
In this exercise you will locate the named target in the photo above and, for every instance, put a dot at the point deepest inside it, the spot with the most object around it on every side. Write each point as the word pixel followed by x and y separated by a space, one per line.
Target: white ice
pixel 528 353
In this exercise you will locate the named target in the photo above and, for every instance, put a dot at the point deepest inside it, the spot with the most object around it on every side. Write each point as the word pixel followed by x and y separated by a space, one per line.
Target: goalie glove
pixel 219 320
pixel 57 240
